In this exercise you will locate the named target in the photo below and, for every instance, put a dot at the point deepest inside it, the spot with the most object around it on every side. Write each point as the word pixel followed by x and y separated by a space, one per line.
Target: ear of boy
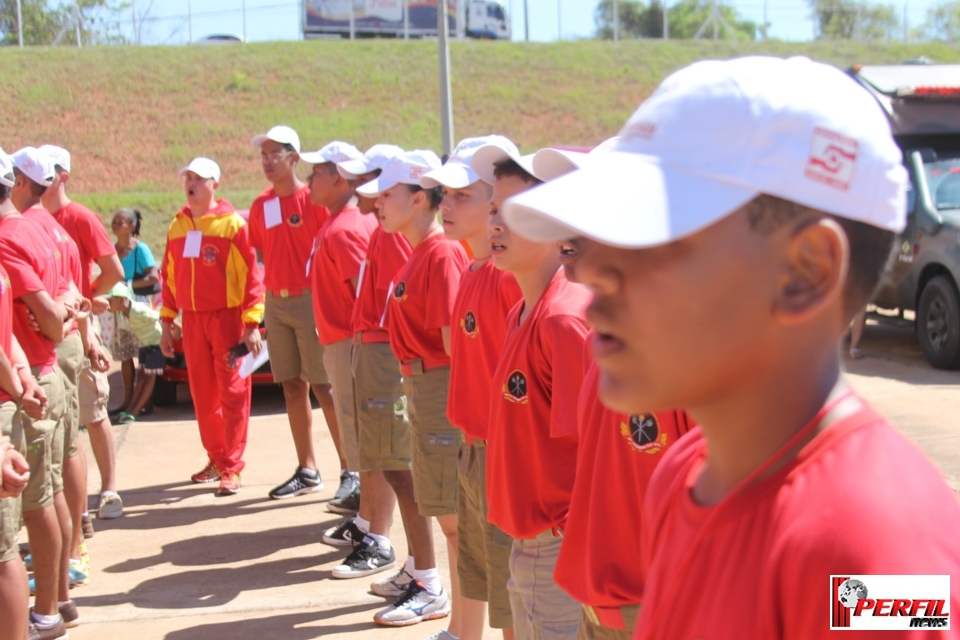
pixel 816 255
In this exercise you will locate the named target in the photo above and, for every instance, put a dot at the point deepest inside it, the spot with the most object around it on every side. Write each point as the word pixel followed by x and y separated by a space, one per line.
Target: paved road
pixel 184 565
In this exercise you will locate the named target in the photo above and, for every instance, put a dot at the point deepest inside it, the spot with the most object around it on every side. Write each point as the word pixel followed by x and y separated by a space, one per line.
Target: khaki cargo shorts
pixel 43 443
pixel 70 358
pixel 434 442
pixel 336 362
pixel 541 609
pixel 10 507
pixel 295 348
pixel 94 387
pixel 381 409
pixel 591 629
pixel 483 562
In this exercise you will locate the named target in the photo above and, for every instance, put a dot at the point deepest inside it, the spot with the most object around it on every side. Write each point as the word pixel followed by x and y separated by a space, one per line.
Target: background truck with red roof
pixel 396 18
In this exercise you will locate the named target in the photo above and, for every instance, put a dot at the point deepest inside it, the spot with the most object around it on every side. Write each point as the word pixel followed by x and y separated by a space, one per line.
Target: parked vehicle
pixel 922 102
pixel 387 19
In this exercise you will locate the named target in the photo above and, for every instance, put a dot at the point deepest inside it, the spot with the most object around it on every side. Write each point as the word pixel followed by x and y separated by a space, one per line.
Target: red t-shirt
pixel 857 499
pixel 86 229
pixel 532 437
pixel 603 525
pixel 341 247
pixel 486 296
pixel 422 300
pixel 6 323
pixel 68 261
pixel 286 246
pixel 28 254
pixel 386 255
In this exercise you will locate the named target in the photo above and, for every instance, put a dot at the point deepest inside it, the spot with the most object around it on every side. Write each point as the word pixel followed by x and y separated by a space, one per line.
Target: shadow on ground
pixel 289 627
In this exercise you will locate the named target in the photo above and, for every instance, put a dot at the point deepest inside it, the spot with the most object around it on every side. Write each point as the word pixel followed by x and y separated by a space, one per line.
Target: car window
pixel 943 180
pixel 493 11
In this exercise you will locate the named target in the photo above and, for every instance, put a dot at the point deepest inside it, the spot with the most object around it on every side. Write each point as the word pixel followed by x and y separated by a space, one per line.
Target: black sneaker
pixel 366 559
pixel 345 534
pixel 349 483
pixel 347 498
pixel 301 482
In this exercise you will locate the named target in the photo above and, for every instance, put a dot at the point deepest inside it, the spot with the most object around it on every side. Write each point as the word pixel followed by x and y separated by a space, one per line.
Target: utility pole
pixel 616 20
pixel 189 22
pixel 666 22
pixel 76 21
pixel 906 25
pixel 526 21
pixel 717 20
pixel 19 25
pixel 406 19
pixel 244 6
pixel 353 28
pixel 446 101
pixel 559 23
pixel 133 16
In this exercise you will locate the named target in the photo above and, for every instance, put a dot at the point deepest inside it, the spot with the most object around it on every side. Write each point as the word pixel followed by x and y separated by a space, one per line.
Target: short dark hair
pixel 289 147
pixel 36 189
pixel 510 167
pixel 869 245
pixel 434 195
pixel 4 193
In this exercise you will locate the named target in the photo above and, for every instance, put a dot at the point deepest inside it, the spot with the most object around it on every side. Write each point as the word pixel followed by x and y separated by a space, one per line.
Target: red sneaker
pixel 209 474
pixel 229 484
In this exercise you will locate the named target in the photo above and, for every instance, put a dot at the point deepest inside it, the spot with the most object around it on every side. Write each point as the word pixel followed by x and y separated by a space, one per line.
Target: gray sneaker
pixel 347 498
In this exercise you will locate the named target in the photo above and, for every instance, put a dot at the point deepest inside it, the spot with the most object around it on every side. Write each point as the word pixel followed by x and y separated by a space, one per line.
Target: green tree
pixel 849 20
pixel 638 20
pixel 943 22
pixel 43 21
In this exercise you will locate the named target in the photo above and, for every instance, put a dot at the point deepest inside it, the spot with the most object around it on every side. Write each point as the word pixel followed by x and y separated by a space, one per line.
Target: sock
pixel 430 579
pixel 409 565
pixel 383 542
pixel 45 621
pixel 363 525
pixel 313 473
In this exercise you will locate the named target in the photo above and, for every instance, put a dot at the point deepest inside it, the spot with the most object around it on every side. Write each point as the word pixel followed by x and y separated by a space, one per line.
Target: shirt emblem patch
pixel 469 324
pixel 643 433
pixel 295 220
pixel 400 292
pixel 515 389
pixel 209 254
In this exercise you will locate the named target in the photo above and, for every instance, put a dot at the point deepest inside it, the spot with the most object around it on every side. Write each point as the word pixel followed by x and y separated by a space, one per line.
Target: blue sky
pixel 280 19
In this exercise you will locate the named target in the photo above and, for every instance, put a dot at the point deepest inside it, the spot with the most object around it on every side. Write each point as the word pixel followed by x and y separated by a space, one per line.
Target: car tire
pixel 164 393
pixel 938 323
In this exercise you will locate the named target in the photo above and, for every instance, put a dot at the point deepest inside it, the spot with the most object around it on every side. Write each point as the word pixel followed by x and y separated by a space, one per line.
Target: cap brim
pixel 550 164
pixel 313 157
pixel 654 204
pixel 451 176
pixel 184 171
pixel 375 187
pixel 257 141
pixel 485 158
pixel 353 168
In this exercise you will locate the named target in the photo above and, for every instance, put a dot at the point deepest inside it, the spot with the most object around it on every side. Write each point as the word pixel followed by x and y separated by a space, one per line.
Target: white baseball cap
pixel 404 169
pixel 35 165
pixel 333 152
pixel 203 167
pixel 714 136
pixel 6 169
pixel 550 163
pixel 377 157
pixel 281 134
pixel 456 172
pixel 59 156
pixel 498 150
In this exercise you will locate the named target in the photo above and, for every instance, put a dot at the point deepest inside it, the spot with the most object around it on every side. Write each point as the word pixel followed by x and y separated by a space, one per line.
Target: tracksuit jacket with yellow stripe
pixel 224 276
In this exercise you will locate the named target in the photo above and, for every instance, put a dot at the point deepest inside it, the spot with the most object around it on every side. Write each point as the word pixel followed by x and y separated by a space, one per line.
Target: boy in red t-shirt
pixel 283 224
pixel 532 434
pixel 419 316
pixel 485 296
pixel 726 265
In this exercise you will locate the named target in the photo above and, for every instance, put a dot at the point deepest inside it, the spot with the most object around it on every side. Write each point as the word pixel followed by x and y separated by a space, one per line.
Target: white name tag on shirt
pixel 271 213
pixel 191 248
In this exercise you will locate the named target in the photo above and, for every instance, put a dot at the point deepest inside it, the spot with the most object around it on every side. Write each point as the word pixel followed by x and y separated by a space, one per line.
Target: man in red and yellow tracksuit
pixel 210 273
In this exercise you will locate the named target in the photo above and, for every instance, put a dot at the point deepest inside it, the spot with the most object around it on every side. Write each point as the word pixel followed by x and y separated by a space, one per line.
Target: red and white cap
pixel 405 169
pixel 377 157
pixel 6 169
pixel 711 138
pixel 333 152
pixel 281 134
pixel 35 165
pixel 203 167
pixel 497 150
pixel 456 172
pixel 59 156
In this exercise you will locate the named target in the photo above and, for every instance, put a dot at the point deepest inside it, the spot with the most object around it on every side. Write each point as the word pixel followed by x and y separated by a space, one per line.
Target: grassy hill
pixel 132 116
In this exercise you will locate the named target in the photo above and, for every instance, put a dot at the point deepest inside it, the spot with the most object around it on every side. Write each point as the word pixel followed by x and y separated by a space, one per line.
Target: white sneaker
pixel 394 586
pixel 111 506
pixel 415 605
pixel 443 635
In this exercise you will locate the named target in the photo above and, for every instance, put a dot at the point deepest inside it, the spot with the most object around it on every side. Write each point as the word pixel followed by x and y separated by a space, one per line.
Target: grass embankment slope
pixel 132 116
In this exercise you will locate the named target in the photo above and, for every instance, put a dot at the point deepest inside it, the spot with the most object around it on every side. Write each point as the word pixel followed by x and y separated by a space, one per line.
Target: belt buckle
pixel 284 293
pixel 592 615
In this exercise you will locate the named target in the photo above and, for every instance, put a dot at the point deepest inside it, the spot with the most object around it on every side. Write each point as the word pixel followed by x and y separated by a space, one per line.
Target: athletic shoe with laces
pixel 229 484
pixel 345 534
pixel 349 483
pixel 414 606
pixel 77 579
pixel 442 635
pixel 56 631
pixel 394 586
pixel 208 474
pixel 349 505
pixel 366 559
pixel 301 482
pixel 111 506
pixel 70 614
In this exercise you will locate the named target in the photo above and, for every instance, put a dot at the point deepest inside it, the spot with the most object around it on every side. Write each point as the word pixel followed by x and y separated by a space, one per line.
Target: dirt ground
pixel 184 565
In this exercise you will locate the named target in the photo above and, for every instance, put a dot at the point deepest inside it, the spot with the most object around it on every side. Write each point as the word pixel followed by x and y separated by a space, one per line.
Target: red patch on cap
pixel 640 129
pixel 833 158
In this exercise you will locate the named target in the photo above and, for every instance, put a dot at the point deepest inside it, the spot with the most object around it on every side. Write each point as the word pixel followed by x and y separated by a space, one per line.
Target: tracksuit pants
pixel 221 397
